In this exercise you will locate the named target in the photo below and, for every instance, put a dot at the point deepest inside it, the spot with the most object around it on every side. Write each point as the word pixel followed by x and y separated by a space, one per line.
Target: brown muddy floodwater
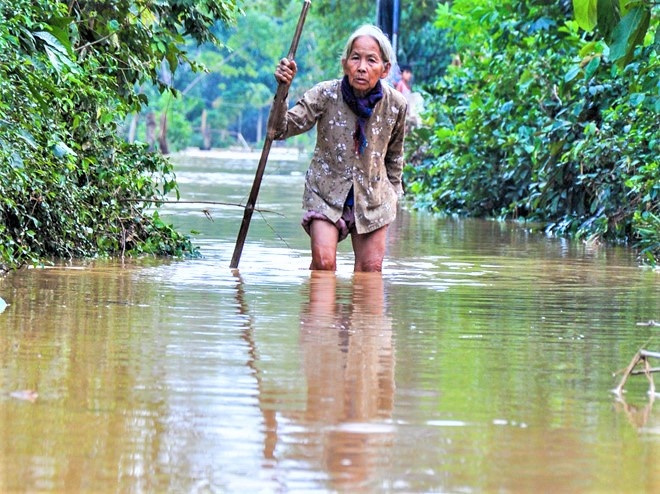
pixel 481 360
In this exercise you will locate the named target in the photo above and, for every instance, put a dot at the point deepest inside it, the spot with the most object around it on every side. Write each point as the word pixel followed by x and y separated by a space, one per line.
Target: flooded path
pixel 481 360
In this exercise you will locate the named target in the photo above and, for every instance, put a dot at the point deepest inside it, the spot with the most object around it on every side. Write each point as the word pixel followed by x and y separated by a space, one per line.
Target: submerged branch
pixel 639 372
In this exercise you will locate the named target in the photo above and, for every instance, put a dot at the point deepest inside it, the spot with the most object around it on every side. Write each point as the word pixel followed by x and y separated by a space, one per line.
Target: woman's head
pixel 386 50
pixel 366 58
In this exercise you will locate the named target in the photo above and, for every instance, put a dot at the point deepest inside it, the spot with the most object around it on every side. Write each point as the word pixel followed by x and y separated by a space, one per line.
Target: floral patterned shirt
pixel 335 167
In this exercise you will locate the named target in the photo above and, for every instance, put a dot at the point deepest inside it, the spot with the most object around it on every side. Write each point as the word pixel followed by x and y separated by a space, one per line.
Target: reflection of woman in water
pixel 348 360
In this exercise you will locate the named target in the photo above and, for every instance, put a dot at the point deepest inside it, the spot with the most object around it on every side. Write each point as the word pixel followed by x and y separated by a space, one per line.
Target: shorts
pixel 345 224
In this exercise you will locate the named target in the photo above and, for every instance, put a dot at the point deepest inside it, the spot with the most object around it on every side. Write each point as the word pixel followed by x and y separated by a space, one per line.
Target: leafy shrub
pixel 537 124
pixel 69 185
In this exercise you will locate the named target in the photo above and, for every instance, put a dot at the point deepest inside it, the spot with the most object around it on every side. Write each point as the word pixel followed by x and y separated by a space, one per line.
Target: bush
pixel 536 124
pixel 70 186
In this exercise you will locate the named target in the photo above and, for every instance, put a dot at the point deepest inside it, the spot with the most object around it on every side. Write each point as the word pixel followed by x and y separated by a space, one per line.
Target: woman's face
pixel 364 65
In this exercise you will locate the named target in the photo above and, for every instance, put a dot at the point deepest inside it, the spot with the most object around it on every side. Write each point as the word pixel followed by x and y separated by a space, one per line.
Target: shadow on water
pixel 481 360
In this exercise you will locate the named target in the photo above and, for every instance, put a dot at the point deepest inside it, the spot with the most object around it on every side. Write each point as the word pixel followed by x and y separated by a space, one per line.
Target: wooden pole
pixel 274 117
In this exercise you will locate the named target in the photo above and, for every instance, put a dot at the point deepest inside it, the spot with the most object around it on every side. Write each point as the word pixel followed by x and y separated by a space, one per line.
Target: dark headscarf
pixel 362 107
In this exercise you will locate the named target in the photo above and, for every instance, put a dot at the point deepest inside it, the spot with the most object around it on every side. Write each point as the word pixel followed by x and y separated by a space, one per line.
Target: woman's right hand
pixel 286 71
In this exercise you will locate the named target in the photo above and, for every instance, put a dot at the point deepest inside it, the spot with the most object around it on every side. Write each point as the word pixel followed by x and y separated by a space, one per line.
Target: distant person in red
pixel 404 86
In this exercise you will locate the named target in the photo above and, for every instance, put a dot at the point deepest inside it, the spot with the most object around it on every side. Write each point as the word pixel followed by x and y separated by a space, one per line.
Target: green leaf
pixel 572 73
pixel 637 99
pixel 608 17
pixel 57 53
pixel 589 49
pixel 585 12
pixel 113 25
pixel 628 34
pixel 54 57
pixel 50 41
pixel 591 67
pixel 16 161
pixel 62 36
pixel 60 150
pixel 172 58
pixel 28 138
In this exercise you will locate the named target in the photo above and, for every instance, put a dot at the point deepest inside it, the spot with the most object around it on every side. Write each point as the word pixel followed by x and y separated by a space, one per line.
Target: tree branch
pixel 215 203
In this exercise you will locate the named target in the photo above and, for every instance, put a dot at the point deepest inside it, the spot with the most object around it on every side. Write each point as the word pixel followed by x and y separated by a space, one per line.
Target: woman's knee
pixel 323 263
pixel 324 258
pixel 369 265
pixel 369 249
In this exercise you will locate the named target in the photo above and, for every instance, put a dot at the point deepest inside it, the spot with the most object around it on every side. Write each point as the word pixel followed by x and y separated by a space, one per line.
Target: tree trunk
pixel 260 123
pixel 166 78
pixel 132 129
pixel 162 137
pixel 151 131
pixel 206 132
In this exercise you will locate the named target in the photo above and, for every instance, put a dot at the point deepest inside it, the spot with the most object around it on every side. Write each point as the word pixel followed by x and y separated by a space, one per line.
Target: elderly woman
pixel 354 179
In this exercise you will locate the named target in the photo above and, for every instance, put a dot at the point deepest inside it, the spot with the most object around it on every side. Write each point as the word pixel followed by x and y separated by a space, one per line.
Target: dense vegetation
pixel 541 121
pixel 70 185
pixel 543 115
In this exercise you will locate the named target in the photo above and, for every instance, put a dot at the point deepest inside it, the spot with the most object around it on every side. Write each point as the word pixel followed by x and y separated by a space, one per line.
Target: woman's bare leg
pixel 369 249
pixel 324 236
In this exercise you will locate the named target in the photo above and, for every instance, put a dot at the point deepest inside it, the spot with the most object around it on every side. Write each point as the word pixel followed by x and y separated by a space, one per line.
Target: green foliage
pixel 69 185
pixel 623 24
pixel 538 124
pixel 421 43
pixel 234 91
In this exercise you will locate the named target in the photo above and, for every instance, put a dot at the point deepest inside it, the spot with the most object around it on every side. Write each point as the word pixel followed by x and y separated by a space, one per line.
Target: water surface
pixel 481 360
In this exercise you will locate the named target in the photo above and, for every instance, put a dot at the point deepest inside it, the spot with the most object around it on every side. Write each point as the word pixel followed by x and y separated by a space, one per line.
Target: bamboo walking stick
pixel 274 116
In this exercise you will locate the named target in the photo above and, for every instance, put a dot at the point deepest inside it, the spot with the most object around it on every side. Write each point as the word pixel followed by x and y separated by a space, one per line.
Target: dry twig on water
pixel 642 356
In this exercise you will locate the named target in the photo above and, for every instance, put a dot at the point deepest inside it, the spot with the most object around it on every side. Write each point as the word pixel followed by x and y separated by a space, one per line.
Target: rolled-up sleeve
pixel 301 117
